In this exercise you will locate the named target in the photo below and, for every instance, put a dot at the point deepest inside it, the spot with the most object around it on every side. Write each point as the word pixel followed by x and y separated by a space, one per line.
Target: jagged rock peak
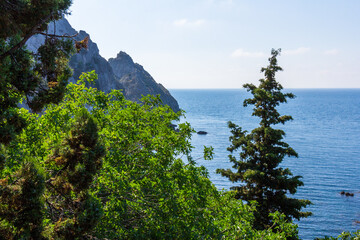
pixel 137 81
pixel 117 73
pixel 123 57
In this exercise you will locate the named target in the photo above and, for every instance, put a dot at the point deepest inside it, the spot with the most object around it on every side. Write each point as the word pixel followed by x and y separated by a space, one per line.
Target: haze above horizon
pixel 224 43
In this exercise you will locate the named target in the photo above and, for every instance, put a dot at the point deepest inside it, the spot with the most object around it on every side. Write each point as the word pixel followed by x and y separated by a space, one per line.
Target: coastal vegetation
pixel 40 78
pixel 84 164
pixel 261 152
pixel 139 189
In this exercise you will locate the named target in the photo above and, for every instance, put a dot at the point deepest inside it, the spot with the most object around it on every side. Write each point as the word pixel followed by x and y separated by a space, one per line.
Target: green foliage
pixel 51 64
pixel 344 236
pixel 235 220
pixel 72 167
pixel 261 152
pixel 96 165
pixel 40 77
pixel 21 204
pixel 59 184
pixel 25 17
pixel 208 153
pixel 144 190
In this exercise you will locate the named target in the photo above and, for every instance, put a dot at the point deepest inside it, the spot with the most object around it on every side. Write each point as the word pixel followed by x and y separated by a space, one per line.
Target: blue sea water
pixel 325 132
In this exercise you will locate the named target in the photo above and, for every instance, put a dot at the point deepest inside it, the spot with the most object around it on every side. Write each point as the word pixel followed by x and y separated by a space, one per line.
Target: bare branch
pixel 58 36
pixel 26 37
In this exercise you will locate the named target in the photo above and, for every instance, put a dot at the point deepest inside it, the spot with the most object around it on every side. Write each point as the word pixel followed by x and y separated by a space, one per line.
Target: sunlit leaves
pixel 148 186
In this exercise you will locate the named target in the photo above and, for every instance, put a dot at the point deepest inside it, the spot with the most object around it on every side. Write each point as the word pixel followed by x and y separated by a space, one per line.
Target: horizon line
pixel 303 88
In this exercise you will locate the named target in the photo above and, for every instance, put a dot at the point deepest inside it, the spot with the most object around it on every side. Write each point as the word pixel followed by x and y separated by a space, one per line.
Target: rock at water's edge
pixel 202 133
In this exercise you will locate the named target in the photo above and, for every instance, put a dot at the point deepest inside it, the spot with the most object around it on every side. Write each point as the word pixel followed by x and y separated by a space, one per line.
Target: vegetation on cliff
pixel 95 165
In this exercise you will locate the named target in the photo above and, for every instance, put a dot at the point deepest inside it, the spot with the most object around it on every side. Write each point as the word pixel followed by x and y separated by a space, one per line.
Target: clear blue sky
pixel 224 43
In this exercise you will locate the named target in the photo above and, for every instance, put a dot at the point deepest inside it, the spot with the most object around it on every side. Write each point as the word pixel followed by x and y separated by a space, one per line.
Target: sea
pixel 325 133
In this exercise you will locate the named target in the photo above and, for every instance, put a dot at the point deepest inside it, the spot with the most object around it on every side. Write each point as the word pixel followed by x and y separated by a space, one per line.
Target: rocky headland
pixel 117 73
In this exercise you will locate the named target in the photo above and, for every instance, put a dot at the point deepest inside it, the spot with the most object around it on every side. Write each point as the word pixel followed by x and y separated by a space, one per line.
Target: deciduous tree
pixel 145 189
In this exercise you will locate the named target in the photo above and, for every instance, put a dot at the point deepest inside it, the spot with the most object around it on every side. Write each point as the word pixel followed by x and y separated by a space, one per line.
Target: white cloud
pixel 187 23
pixel 331 52
pixel 242 53
pixel 297 51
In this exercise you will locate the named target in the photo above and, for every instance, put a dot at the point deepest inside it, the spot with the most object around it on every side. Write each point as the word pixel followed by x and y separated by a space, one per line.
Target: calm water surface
pixel 325 133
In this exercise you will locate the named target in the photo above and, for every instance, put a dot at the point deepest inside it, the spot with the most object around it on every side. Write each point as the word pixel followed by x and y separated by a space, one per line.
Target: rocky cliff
pixel 119 73
pixel 137 81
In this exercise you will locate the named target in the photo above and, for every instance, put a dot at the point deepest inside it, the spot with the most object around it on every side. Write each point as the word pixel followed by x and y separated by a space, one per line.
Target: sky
pixel 224 43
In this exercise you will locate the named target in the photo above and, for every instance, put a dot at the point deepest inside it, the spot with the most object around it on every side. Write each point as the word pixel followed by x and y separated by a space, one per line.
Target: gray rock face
pixel 89 59
pixel 119 73
pixel 137 81
pixel 84 61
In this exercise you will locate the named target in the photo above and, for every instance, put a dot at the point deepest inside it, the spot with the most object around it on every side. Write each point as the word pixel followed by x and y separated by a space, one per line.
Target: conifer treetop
pixel 261 152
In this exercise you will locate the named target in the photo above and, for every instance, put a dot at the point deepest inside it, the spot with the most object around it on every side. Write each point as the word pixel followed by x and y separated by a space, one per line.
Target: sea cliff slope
pixel 117 73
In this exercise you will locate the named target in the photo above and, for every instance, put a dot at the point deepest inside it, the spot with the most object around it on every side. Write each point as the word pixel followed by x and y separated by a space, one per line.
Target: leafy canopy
pixel 143 190
pixel 96 165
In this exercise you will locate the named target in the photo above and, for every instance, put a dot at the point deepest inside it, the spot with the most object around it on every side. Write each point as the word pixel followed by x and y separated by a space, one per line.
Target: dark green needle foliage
pixel 21 205
pixel 39 76
pixel 261 152
pixel 72 168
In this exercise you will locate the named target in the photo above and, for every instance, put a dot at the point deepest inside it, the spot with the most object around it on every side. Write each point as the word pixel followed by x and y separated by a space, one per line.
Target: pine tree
pixel 21 205
pixel 72 167
pixel 261 152
pixel 39 76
